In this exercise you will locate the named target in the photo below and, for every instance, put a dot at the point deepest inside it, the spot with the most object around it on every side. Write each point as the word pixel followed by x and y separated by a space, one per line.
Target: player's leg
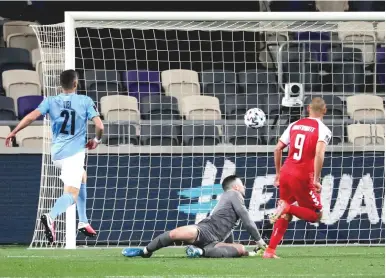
pixel 187 234
pixel 224 250
pixel 81 205
pixel 71 175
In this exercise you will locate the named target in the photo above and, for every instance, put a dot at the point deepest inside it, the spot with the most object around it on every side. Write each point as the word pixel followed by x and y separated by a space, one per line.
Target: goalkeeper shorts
pixel 72 169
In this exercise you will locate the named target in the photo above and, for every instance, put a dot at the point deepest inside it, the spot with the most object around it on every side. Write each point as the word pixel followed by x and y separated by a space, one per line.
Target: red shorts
pixel 293 189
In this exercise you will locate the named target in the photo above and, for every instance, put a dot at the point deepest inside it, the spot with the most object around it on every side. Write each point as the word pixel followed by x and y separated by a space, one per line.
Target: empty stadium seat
pixel 200 135
pixel 359 134
pixel 201 108
pixel 35 57
pixel 7 109
pixel 159 107
pixel 100 83
pixel 31 137
pixel 113 134
pixel 355 34
pixel 180 83
pixel 49 76
pixel 27 104
pixel 4 131
pixel 218 82
pixel 160 135
pixel 380 31
pixel 365 107
pixel 120 108
pixel 142 83
pixel 242 135
pixel 271 132
pixel 14 58
pixel 236 106
pixel 27 41
pixel 297 71
pixel 348 72
pixel 334 105
pixel 130 135
pixel 257 82
pixel 19 83
pixel 337 134
pixel 17 27
pixel 319 43
pixel 271 105
pixel 378 132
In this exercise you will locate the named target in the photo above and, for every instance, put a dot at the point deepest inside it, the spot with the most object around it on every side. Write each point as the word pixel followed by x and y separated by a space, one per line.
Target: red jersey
pixel 302 137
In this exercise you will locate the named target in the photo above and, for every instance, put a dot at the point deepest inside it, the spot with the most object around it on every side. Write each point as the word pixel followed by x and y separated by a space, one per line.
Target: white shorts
pixel 72 169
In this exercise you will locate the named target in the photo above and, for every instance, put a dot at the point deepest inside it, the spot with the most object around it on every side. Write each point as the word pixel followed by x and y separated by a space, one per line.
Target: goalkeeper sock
pixel 303 213
pixel 278 232
pixel 81 203
pixel 159 242
pixel 61 205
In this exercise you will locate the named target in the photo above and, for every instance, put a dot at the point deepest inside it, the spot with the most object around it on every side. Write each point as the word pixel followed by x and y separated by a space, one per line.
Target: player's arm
pixel 323 140
pixel 242 212
pixel 27 120
pixel 93 114
pixel 278 152
pixel 98 127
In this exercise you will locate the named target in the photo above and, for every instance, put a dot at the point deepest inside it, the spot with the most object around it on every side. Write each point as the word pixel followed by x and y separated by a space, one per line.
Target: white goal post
pixel 235 26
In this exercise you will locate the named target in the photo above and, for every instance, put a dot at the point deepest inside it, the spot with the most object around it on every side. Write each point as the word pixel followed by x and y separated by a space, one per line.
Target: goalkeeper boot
pixel 270 254
pixel 135 252
pixel 193 251
pixel 282 208
pixel 86 229
pixel 49 227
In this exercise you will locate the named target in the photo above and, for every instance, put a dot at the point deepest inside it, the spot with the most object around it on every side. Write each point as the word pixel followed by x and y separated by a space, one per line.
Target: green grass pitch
pixel 172 262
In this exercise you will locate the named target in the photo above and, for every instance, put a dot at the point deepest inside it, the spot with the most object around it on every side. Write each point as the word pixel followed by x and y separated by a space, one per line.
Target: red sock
pixel 278 232
pixel 303 213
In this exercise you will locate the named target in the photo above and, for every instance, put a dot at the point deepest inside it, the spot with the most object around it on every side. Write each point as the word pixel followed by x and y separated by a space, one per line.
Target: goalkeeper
pixel 212 237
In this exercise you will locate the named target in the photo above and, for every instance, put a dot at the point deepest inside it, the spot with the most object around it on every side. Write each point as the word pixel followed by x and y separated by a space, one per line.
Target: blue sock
pixel 81 203
pixel 61 205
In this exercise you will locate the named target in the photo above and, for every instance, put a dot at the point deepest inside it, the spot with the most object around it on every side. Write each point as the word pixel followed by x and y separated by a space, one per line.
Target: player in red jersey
pixel 299 178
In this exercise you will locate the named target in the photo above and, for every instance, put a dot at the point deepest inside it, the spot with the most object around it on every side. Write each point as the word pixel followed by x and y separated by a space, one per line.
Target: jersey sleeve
pixel 285 137
pixel 242 212
pixel 92 111
pixel 44 106
pixel 324 134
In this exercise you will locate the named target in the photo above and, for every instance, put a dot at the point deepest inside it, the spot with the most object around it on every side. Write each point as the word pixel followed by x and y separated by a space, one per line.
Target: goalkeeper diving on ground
pixel 213 236
pixel 69 114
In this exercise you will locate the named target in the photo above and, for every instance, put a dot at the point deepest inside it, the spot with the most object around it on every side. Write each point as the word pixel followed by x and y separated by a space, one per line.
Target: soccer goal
pixel 173 89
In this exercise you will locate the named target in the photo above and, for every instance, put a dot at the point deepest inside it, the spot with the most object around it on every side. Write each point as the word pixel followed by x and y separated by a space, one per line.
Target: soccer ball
pixel 255 118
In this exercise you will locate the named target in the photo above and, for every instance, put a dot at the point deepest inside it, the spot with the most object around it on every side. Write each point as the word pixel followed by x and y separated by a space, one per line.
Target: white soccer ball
pixel 255 118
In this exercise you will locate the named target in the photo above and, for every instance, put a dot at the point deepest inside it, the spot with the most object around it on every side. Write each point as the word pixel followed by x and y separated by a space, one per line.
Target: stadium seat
pixel 236 106
pixel 337 132
pixel 7 109
pixel 49 77
pixel 19 83
pixel 218 82
pixel 180 83
pixel 100 83
pixel 355 34
pixel 130 135
pixel 159 107
pixel 31 137
pixel 113 135
pixel 271 105
pixel 27 41
pixel 17 27
pixel 201 108
pixel 27 104
pixel 319 43
pixel 293 65
pixel 200 135
pixel 160 135
pixel 378 132
pixel 334 105
pixel 359 134
pixel 14 58
pixel 380 69
pixel 257 82
pixel 120 108
pixel 142 83
pixel 271 132
pixel 348 72
pixel 242 135
pixel 4 131
pixel 35 57
pixel 365 107
pixel 380 31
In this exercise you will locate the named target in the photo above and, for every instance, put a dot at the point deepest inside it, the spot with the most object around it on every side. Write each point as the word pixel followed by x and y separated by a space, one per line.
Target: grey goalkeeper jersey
pixel 226 215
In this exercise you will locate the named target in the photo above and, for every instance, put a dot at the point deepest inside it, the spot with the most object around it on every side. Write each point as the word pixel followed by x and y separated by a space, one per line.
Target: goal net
pixel 173 94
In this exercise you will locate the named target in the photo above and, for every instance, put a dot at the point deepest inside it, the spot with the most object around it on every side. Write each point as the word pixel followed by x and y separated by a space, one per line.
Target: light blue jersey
pixel 69 114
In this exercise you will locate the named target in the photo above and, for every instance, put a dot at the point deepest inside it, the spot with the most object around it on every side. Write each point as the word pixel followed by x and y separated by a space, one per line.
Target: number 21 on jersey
pixel 299 143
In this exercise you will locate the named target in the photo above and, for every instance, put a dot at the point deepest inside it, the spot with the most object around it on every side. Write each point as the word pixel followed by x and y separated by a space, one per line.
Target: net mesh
pixel 173 96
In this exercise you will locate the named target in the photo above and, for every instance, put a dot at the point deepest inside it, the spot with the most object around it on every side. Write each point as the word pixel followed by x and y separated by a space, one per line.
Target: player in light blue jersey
pixel 69 114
